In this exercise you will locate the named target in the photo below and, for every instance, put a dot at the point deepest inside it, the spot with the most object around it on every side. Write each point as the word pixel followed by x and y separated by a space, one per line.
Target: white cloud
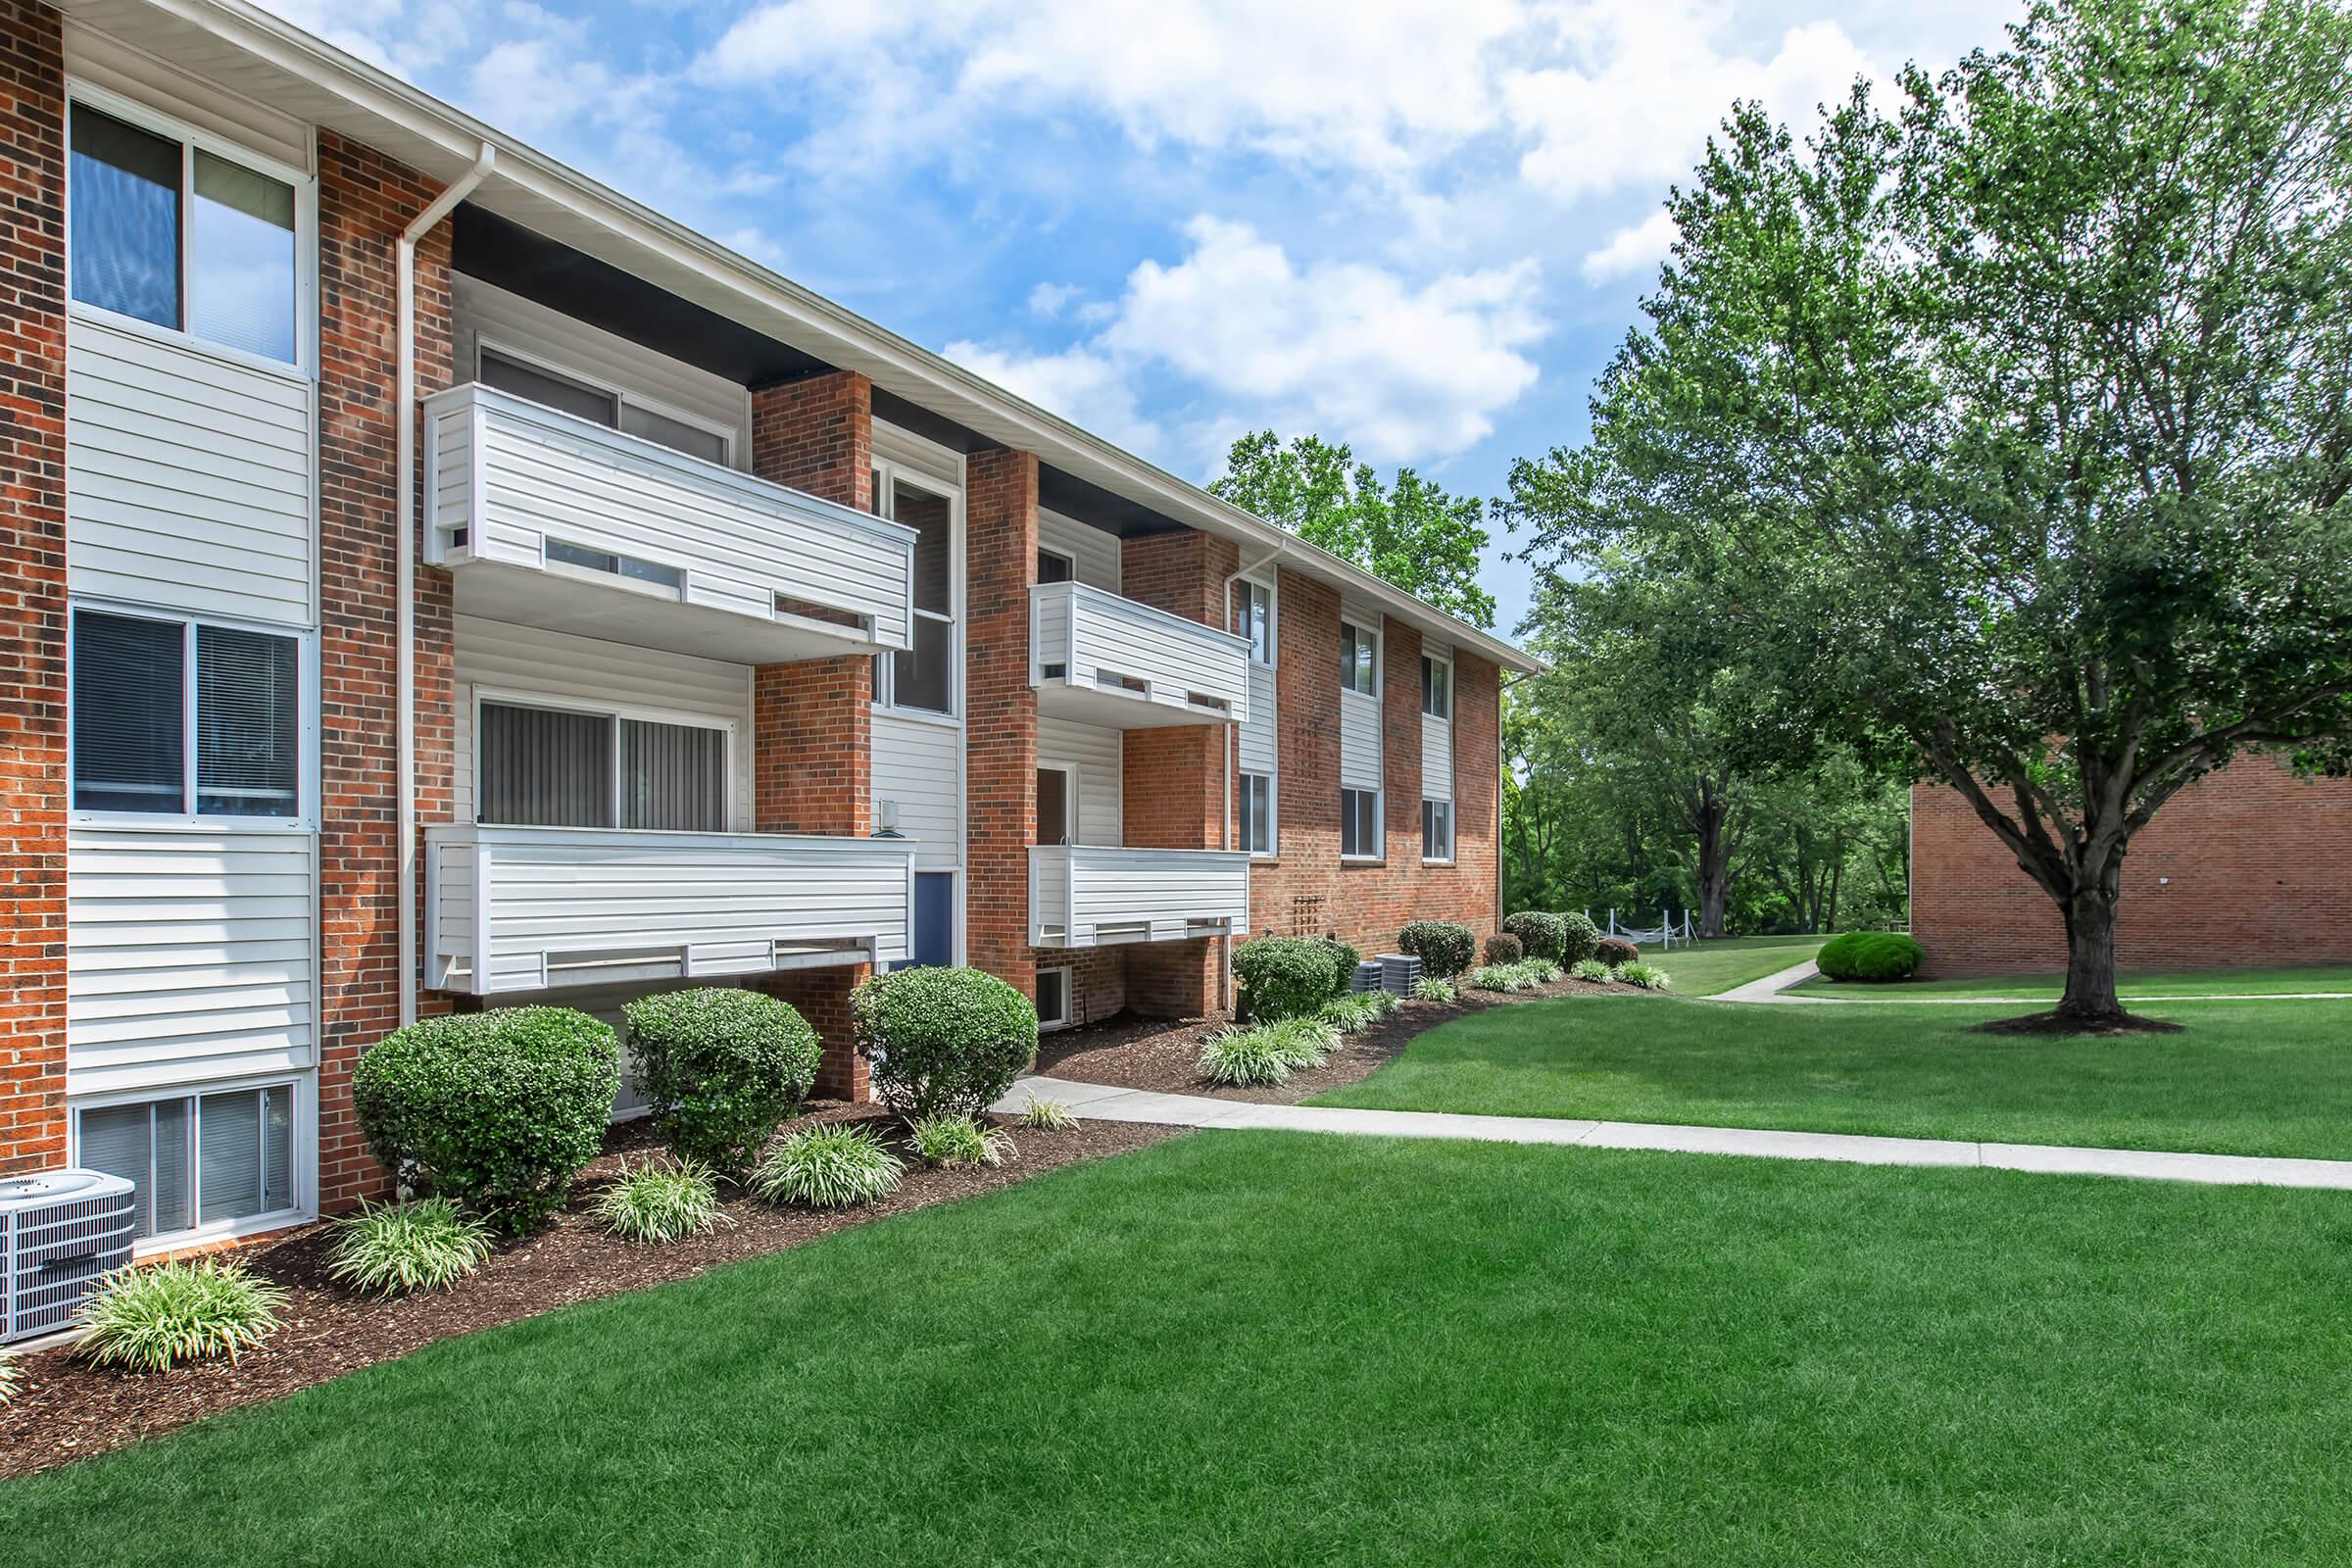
pixel 1050 300
pixel 1633 249
pixel 1082 384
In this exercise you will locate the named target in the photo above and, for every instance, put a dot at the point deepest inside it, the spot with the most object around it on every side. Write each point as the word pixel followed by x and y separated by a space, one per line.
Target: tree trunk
pixel 2090 956
pixel 1714 866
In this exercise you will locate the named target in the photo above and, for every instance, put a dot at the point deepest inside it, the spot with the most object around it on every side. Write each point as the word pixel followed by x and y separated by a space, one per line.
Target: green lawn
pixel 1710 967
pixel 2247 1077
pixel 2131 983
pixel 1268 1348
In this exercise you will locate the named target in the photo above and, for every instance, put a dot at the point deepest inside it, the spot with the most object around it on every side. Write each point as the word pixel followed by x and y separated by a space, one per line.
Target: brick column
pixel 812 721
pixel 1000 555
pixel 32 601
pixel 1478 786
pixel 365 200
pixel 1401 751
pixel 1300 894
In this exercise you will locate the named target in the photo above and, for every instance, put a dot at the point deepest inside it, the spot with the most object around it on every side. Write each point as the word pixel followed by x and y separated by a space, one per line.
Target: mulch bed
pixel 1165 1058
pixel 66 1409
pixel 2059 1023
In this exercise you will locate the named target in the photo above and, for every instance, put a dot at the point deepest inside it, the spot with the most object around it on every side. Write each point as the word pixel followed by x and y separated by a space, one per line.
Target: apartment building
pixel 434 581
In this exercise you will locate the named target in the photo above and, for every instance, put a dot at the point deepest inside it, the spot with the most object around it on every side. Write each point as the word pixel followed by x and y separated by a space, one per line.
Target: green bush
pixel 1542 936
pixel 1285 977
pixel 1615 951
pixel 152 1318
pixel 1580 938
pixel 942 1042
pixel 1505 947
pixel 719 1069
pixel 1443 947
pixel 393 1248
pixel 834 1166
pixel 1592 970
pixel 661 1202
pixel 1344 959
pixel 1429 988
pixel 496 1109
pixel 1047 1115
pixel 1641 975
pixel 1872 956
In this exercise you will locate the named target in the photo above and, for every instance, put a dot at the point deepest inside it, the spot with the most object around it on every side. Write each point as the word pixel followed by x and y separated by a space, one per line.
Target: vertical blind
pixel 546 768
pixel 673 777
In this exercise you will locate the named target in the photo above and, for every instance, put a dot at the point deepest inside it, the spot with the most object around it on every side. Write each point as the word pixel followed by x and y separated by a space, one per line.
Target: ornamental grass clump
pixel 949 1142
pixel 1245 1058
pixel 1591 971
pixel 154 1318
pixel 719 1069
pixel 661 1202
pixel 942 1042
pixel 1429 988
pixel 1351 1015
pixel 10 1376
pixel 835 1166
pixel 1286 977
pixel 1047 1115
pixel 427 1244
pixel 1641 975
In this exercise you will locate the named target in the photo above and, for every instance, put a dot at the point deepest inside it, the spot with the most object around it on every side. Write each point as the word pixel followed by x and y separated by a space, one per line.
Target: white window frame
pixel 623 399
pixel 1250 593
pixel 1069 797
pixel 1069 999
pixel 1380 825
pixel 302 1166
pixel 506 697
pixel 1241 807
pixel 191 141
pixel 1430 663
pixel 306 772
pixel 1428 858
pixel 1363 640
pixel 888 474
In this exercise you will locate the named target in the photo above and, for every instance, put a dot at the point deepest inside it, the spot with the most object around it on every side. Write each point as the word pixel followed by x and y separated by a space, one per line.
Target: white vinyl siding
pixel 189 956
pixel 523 662
pixel 1259 747
pixel 1094 552
pixel 918 764
pixel 1437 728
pixel 1090 896
pixel 188 478
pixel 1359 711
pixel 483 313
pixel 1098 755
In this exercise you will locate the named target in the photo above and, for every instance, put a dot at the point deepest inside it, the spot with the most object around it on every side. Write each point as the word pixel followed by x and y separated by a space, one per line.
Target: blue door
pixel 933 940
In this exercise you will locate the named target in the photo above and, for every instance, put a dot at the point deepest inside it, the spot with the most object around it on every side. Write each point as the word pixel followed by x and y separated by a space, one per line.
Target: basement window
pixel 198 1160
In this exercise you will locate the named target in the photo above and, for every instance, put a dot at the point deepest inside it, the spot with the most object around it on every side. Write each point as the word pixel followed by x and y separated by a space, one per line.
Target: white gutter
pixel 404 523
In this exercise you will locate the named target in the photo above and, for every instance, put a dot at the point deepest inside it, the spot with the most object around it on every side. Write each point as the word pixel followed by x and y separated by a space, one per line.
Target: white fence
pixel 1665 934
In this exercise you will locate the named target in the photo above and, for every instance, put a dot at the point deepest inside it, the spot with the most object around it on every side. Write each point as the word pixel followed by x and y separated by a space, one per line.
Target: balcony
pixel 555 521
pixel 530 909
pixel 1084 896
pixel 1099 659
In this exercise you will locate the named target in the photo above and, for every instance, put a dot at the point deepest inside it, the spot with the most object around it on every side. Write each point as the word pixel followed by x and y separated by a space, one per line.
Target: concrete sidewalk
pixel 1104 1103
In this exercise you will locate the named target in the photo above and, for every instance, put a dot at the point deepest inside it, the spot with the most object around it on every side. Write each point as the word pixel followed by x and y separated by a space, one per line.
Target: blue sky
pixel 1419 229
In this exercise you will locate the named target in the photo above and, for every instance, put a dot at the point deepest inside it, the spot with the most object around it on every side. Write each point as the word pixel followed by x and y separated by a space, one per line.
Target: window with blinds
pixel 139 682
pixel 561 767
pixel 248 723
pixel 196 1159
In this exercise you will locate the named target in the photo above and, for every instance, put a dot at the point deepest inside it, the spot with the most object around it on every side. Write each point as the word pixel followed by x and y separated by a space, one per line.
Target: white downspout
pixel 404 675
pixel 1233 741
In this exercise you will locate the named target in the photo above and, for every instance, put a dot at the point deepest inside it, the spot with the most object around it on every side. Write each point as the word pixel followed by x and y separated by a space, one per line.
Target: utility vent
pixel 1368 977
pixel 61 1232
pixel 1399 972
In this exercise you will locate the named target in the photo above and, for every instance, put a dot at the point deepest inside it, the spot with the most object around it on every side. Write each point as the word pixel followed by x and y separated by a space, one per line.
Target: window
pixel 1255 613
pixel 924 676
pixel 1436 830
pixel 565 767
pixel 1053 998
pixel 1359 660
pixel 198 1160
pixel 178 236
pixel 135 703
pixel 1254 810
pixel 583 399
pixel 653 572
pixel 1054 567
pixel 1436 687
pixel 1359 824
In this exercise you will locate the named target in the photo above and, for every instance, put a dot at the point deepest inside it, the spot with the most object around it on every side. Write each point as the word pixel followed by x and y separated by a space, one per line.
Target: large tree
pixel 1412 532
pixel 2018 426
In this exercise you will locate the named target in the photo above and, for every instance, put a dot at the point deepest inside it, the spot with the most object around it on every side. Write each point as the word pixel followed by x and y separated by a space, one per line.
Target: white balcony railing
pixel 527 908
pixel 1103 660
pixel 1085 896
pixel 555 521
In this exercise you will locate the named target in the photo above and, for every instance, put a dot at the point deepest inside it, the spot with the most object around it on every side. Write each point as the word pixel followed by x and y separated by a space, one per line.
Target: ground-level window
pixel 1053 998
pixel 198 1160
pixel 933 939
pixel 1253 813
pixel 1359 824
pixel 1436 830
pixel 568 767
pixel 179 717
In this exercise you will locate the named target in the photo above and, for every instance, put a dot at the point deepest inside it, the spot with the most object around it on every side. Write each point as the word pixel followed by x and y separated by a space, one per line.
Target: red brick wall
pixel 818 435
pixel 1098 979
pixel 2248 865
pixel 1000 713
pixel 1306 890
pixel 365 200
pixel 32 604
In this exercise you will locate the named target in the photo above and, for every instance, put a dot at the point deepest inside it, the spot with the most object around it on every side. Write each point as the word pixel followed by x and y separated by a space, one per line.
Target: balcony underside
pixel 1120 708
pixel 618 611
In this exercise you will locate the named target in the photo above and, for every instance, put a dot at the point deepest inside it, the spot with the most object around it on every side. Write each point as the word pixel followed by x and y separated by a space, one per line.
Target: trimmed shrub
pixel 1592 970
pixel 1443 947
pixel 428 1243
pixel 1429 988
pixel 1344 959
pixel 661 1202
pixel 1505 947
pixel 1641 975
pixel 1615 951
pixel 719 1069
pixel 1872 956
pixel 496 1109
pixel 1047 1115
pixel 1542 935
pixel 151 1319
pixel 942 1042
pixel 835 1166
pixel 1580 938
pixel 1285 977
pixel 952 1141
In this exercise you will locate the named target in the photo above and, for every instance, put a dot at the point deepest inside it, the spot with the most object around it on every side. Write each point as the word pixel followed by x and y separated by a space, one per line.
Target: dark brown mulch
pixel 2062 1023
pixel 1165 1057
pixel 67 1410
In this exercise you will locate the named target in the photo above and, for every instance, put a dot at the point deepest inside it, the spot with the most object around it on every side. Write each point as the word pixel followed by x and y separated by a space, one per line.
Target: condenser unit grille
pixel 55 1252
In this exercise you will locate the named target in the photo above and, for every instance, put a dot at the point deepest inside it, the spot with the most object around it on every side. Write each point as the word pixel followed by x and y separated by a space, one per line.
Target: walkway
pixel 1102 1102
pixel 1774 988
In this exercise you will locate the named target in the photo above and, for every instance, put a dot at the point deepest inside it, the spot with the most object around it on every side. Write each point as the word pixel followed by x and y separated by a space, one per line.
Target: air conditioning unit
pixel 61 1232
pixel 1399 972
pixel 1368 977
